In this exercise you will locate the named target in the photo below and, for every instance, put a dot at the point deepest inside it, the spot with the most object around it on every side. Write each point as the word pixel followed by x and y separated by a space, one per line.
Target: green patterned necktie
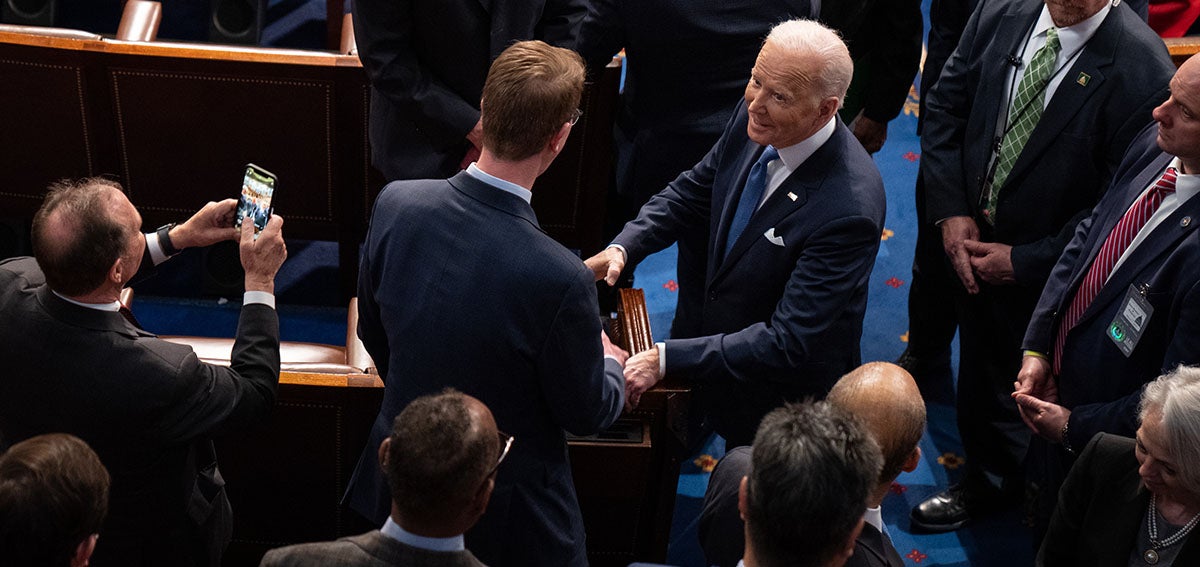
pixel 1027 108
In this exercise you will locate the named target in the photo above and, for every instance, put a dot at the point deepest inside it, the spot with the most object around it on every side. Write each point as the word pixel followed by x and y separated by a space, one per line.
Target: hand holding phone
pixel 257 198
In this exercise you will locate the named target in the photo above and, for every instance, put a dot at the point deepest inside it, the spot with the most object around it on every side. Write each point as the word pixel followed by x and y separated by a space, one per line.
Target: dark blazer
pixel 872 550
pixel 1100 385
pixel 1104 99
pixel 459 288
pixel 146 406
pixel 884 37
pixel 1100 510
pixel 427 60
pixel 778 321
pixel 372 549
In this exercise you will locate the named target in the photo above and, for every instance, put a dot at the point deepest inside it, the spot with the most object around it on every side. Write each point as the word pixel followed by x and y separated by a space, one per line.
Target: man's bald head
pixel 81 229
pixel 887 401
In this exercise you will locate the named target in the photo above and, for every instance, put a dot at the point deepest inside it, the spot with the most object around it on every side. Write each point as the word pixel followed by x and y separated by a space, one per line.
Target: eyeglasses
pixel 575 116
pixel 506 442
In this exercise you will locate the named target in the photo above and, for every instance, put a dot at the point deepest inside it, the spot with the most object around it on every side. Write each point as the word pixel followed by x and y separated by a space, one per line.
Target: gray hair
pixel 1175 396
pixel 812 39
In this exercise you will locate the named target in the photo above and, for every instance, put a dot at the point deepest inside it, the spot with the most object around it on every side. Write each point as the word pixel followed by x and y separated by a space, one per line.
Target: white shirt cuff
pixel 662 358
pixel 263 297
pixel 156 252
pixel 624 252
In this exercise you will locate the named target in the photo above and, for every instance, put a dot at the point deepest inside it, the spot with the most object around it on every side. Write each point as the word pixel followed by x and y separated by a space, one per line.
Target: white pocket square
pixel 770 234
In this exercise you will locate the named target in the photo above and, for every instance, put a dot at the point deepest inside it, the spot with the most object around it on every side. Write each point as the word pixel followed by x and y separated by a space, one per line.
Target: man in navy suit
pixel 1088 324
pixel 1024 130
pixel 427 60
pixel 785 292
pixel 460 287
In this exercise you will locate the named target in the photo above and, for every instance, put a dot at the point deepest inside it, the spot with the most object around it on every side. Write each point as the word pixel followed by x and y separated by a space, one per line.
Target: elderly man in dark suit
pixel 460 287
pixel 75 364
pixel 886 401
pixel 793 208
pixel 441 461
pixel 1025 128
pixel 1087 353
pixel 427 59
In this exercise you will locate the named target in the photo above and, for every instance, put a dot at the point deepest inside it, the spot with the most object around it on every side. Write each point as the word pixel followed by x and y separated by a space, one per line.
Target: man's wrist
pixel 622 250
pixel 164 240
pixel 1037 354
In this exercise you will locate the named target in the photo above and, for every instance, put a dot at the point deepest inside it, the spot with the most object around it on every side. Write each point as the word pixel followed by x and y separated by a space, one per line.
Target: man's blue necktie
pixel 756 184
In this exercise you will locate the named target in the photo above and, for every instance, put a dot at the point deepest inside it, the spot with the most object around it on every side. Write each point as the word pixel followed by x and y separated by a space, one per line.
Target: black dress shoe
pixel 953 508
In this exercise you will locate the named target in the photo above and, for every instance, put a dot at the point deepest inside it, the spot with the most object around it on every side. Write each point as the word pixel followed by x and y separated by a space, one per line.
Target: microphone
pixel 1014 60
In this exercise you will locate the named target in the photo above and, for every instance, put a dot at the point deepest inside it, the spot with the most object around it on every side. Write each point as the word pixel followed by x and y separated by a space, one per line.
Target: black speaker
pixel 235 21
pixel 28 12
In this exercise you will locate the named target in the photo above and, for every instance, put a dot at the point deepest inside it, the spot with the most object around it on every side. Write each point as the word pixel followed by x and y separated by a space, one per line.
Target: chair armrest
pixel 356 354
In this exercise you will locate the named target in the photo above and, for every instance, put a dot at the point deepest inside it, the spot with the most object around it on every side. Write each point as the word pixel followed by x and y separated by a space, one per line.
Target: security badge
pixel 1127 328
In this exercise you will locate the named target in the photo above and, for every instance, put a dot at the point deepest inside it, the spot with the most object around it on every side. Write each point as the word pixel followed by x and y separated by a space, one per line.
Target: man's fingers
pixel 614 272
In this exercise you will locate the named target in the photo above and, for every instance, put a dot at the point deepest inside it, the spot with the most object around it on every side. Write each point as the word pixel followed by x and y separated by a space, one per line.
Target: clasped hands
pixel 641 369
pixel 1036 395
pixel 988 261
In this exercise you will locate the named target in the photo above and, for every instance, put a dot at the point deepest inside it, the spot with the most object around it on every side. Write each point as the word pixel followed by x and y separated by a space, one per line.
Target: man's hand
pixel 1034 380
pixel 613 350
pixel 992 261
pixel 213 223
pixel 607 265
pixel 263 256
pixel 475 136
pixel 956 231
pixel 641 374
pixel 1044 418
pixel 870 134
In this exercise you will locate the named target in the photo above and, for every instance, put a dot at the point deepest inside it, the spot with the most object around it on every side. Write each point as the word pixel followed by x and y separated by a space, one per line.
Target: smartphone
pixel 257 198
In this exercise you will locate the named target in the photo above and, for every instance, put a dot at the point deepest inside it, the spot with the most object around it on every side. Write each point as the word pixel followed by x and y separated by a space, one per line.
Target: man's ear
pixel 743 497
pixel 83 552
pixel 559 141
pixel 383 453
pixel 913 460
pixel 828 107
pixel 482 496
pixel 116 272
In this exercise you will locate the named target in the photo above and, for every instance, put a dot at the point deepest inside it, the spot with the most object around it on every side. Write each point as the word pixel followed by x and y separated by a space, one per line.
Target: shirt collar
pixel 796 154
pixel 114 306
pixel 1071 38
pixel 507 186
pixel 874 516
pixel 1187 185
pixel 393 530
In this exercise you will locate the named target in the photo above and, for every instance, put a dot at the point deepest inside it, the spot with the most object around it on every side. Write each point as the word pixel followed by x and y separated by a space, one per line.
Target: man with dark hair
pixel 53 499
pixel 886 400
pixel 460 287
pixel 811 471
pixel 441 462
pixel 79 364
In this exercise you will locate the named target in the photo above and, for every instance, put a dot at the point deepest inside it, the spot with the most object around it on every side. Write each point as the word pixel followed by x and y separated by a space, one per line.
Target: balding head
pixel 81 230
pixel 887 401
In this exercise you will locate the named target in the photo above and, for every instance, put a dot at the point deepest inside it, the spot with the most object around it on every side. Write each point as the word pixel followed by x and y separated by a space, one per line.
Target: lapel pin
pixel 1185 221
pixel 1083 79
pixel 792 196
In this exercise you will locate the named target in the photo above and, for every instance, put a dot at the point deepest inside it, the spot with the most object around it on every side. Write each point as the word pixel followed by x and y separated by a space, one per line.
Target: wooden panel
pixel 1181 48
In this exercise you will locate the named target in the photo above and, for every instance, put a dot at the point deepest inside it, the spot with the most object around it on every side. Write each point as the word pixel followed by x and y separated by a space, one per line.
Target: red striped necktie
pixel 1118 240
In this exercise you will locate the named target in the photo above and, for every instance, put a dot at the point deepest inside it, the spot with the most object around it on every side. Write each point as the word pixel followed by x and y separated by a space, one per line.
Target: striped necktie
pixel 1114 246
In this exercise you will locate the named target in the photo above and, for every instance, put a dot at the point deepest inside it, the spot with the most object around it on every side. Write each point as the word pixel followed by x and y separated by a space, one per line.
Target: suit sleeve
pixel 894 27
pixel 947 191
pixel 601 36
pixel 1060 547
pixel 560 22
pixel 836 259
pixel 214 400
pixel 370 324
pixel 721 530
pixel 383 31
pixel 585 390
pixel 1039 335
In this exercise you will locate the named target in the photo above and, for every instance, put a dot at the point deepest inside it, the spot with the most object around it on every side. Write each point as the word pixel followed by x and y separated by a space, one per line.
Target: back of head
pixel 822 49
pixel 53 496
pixel 1175 399
pixel 442 449
pixel 811 470
pixel 75 237
pixel 531 90
pixel 886 400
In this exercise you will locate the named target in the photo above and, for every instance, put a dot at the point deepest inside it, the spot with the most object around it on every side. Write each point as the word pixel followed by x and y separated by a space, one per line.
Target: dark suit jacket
pixel 427 60
pixel 146 406
pixel 1100 385
pixel 884 37
pixel 779 321
pixel 372 549
pixel 459 287
pixel 1104 99
pixel 872 550
pixel 1100 510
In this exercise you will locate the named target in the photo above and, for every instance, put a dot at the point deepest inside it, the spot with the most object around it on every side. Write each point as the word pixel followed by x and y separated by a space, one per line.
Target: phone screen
pixel 258 189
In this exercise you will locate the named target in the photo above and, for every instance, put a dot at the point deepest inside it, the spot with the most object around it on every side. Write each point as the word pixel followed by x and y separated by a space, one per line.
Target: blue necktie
pixel 756 184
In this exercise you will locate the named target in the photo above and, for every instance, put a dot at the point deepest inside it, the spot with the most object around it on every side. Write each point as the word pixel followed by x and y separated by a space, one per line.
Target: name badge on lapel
pixel 1128 326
